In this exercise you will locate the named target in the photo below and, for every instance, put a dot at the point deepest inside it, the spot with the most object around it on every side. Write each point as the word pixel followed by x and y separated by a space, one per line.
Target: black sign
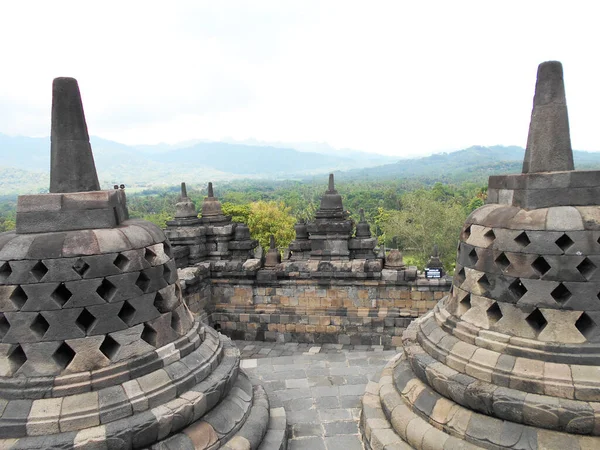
pixel 433 273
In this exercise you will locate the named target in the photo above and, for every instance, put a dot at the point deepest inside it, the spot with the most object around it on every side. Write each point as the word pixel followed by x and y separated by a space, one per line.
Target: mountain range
pixel 24 163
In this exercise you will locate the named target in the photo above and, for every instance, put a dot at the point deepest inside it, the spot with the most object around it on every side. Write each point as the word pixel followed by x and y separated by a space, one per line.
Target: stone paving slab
pixel 319 386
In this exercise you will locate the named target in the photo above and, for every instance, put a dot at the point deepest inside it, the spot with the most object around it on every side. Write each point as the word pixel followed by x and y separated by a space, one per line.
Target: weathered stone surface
pixel 72 166
pixel 549 141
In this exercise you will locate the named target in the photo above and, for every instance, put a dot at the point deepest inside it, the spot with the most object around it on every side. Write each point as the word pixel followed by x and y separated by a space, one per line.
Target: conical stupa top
pixel 549 141
pixel 271 242
pixel 210 190
pixel 331 188
pixel 362 214
pixel 183 190
pixel 72 167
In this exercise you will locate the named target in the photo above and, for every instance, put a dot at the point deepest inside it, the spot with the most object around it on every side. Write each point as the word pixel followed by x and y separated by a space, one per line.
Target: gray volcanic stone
pixel 72 162
pixel 549 141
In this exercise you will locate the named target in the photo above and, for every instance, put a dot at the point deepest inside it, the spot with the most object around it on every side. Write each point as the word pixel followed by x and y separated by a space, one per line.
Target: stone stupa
pixel 97 346
pixel 511 357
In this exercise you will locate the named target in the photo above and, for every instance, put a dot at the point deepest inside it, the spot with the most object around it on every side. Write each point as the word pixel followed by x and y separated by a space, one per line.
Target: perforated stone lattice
pixel 498 254
pixel 91 316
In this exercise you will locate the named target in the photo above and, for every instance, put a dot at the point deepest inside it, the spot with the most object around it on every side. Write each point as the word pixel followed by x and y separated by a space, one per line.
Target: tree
pixel 271 218
pixel 424 221
pixel 238 213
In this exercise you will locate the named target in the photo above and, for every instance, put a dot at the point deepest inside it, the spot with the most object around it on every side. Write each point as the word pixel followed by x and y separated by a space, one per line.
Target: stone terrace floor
pixel 319 386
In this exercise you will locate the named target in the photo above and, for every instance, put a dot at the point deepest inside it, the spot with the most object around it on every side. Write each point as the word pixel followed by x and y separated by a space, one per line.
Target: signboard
pixel 433 273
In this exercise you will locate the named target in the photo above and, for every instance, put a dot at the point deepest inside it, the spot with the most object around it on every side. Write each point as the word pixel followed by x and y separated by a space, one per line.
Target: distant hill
pixel 475 164
pixel 24 164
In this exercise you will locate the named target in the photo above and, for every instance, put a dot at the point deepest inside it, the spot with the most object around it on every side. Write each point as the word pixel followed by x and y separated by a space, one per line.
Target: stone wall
pixel 357 312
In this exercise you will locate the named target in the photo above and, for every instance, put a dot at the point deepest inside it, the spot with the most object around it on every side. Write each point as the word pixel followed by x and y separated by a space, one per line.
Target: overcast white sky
pixel 394 77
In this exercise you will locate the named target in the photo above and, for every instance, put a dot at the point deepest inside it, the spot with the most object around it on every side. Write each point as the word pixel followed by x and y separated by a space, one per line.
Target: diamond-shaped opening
pixel 494 313
pixel 467 232
pixel 109 347
pixel 85 320
pixel 63 355
pixel 18 297
pixel 465 304
pixel 17 358
pixel 490 236
pixel 560 293
pixel 159 302
pixel 106 290
pixel 522 239
pixel 564 242
pixel 517 288
pixel 167 273
pixel 460 276
pixel 149 335
pixel 39 270
pixel 81 267
pixel 536 320
pixel 4 326
pixel 540 265
pixel 39 326
pixel 484 282
pixel 149 256
pixel 473 257
pixel 586 268
pixel 502 261
pixel 121 261
pixel 175 321
pixel 126 313
pixel 586 325
pixel 167 249
pixel 5 272
pixel 61 294
pixel 143 282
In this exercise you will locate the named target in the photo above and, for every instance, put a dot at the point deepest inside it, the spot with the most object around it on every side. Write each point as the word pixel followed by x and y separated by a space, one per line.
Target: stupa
pixel 510 358
pixel 331 229
pixel 98 348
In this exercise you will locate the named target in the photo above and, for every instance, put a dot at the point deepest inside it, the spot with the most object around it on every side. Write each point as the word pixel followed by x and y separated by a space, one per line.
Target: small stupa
pixel 331 229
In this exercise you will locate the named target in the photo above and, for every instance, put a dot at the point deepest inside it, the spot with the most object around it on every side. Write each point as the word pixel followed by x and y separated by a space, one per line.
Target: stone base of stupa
pixel 422 401
pixel 189 394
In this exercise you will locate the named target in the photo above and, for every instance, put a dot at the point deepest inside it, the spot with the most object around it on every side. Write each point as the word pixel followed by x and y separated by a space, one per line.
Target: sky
pixel 396 77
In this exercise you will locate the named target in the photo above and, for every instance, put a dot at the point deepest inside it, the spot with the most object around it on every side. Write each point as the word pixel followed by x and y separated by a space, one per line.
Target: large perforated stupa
pixel 511 358
pixel 97 346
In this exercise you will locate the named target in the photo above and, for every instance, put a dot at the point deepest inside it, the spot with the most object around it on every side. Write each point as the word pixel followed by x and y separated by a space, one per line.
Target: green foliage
pixel 238 213
pixel 427 217
pixel 158 219
pixel 271 218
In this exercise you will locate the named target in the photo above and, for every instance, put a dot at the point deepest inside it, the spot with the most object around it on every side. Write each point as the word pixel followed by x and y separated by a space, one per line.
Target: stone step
pixel 220 424
pixel 252 432
pixel 150 425
pixel 403 409
pixel 276 436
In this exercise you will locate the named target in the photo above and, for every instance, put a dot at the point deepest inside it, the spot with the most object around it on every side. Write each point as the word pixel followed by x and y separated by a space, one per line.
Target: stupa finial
pixel 72 167
pixel 549 141
pixel 210 190
pixel 183 190
pixel 331 187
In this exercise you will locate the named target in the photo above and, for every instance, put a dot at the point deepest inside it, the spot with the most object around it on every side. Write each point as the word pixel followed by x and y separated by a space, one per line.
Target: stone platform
pixel 318 386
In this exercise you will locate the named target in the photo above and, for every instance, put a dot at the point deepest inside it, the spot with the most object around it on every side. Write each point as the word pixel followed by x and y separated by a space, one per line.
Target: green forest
pixel 408 213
